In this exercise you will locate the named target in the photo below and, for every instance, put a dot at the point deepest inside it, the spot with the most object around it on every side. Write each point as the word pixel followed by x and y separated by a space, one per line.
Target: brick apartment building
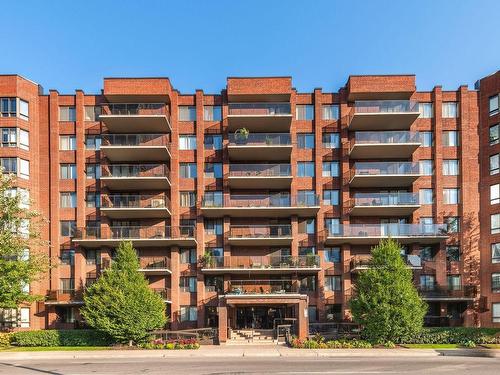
pixel 260 204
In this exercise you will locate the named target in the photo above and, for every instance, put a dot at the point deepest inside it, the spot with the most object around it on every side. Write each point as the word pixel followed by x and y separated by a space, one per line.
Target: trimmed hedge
pixel 456 335
pixel 52 337
pixel 320 343
pixel 5 339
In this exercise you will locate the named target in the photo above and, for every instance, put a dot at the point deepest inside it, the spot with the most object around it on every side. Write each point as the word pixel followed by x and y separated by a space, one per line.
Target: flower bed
pixel 171 344
pixel 332 344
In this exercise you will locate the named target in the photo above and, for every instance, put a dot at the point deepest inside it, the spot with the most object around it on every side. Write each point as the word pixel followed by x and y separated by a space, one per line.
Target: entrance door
pixel 258 317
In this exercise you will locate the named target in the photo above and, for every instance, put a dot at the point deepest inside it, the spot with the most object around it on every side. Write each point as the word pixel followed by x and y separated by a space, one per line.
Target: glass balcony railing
pixel 385 168
pixel 386 230
pixel 144 140
pixel 134 201
pixel 263 287
pixel 134 109
pixel 386 137
pixel 260 231
pixel 262 201
pixel 154 263
pixel 456 291
pixel 262 262
pixel 260 170
pixel 259 109
pixel 412 261
pixel 384 199
pixel 134 232
pixel 385 106
pixel 260 139
pixel 135 170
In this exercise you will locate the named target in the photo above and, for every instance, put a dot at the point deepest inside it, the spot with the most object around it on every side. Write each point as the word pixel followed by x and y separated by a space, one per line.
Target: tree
pixel 20 263
pixel 386 303
pixel 120 303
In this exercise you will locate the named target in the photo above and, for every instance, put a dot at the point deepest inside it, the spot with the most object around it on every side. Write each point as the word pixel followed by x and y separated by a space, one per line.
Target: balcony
pixel 64 297
pixel 155 265
pixel 258 235
pixel 389 144
pixel 260 117
pixel 121 206
pixel 359 263
pixel 262 287
pixel 439 293
pixel 384 204
pixel 138 117
pixel 136 176
pixel 135 147
pixel 383 114
pixel 164 293
pixel 260 146
pixel 262 264
pixel 141 236
pixel 256 176
pixel 371 234
pixel 383 174
pixel 261 205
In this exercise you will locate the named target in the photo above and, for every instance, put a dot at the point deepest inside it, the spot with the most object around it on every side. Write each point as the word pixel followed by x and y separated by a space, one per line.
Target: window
pixel 331 197
pixel 68 228
pixel 425 167
pixel 495 253
pixel 188 256
pixel 305 140
pixel 451 196
pixel 187 170
pixel 215 251
pixel 426 110
pixel 307 250
pixel 330 169
pixel 426 196
pixel 65 314
pixel 333 283
pixel 68 200
pixel 332 225
pixel 67 142
pixel 93 171
pixel 427 282
pixel 8 107
pixel 187 284
pixel 495 223
pixel 214 284
pixel 92 142
pixel 67 171
pixel 305 169
pixel 188 314
pixel 24 139
pixel 453 223
pixel 212 113
pixel 304 198
pixel 24 168
pixel 213 227
pixel 67 284
pixel 494 134
pixel 331 140
pixel 9 165
pixel 332 254
pixel 187 113
pixel 92 256
pixel 67 257
pixel 450 110
pixel 93 199
pixel 92 113
pixel 495 312
pixel 67 113
pixel 450 167
pixel 213 142
pixel 9 137
pixel 493 101
pixel 188 198
pixel 213 170
pixel 312 313
pixel 495 194
pixel 24 109
pixel 426 253
pixel 304 112
pixel 453 253
pixel 454 282
pixel 333 312
pixel 308 284
pixel 213 199
pixel 307 226
pixel 426 139
pixel 187 142
pixel 495 282
pixel 494 164
pixel 450 138
pixel 330 111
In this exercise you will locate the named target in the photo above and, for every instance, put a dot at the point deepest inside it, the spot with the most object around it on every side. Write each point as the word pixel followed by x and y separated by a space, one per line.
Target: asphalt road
pixel 279 365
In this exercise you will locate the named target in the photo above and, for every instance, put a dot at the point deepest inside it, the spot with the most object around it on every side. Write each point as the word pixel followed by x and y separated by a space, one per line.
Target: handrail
pixel 134 109
pixel 135 170
pixel 385 106
pixel 256 231
pixel 262 262
pixel 135 232
pixel 134 201
pixel 263 200
pixel 260 170
pixel 134 140
pixel 259 109
pixel 384 199
pixel 390 229
pixel 267 139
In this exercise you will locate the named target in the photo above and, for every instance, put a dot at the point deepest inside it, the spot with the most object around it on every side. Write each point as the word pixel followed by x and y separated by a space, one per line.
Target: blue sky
pixel 74 44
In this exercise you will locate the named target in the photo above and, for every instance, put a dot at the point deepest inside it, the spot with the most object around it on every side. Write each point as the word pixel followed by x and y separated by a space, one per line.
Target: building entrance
pixel 261 317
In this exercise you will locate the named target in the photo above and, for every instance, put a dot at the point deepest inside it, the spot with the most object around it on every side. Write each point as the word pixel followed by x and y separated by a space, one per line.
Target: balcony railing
pixel 64 294
pixel 134 232
pixel 385 106
pixel 134 201
pixel 244 287
pixel 385 168
pixel 164 293
pixel 385 137
pixel 134 140
pixel 135 170
pixel 262 262
pixel 259 109
pixel 134 109
pixel 262 200
pixel 260 231
pixel 260 170
pixel 435 291
pixel 384 199
pixel 412 261
pixel 260 139
pixel 154 263
pixel 386 230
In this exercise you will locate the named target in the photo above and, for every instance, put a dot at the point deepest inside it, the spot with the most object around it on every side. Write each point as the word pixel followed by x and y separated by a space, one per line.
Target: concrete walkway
pixel 248 351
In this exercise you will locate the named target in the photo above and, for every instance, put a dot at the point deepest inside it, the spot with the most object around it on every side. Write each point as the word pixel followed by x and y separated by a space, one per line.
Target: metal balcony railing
pixel 134 109
pixel 239 287
pixel 262 262
pixel 436 291
pixel 260 170
pixel 154 263
pixel 374 168
pixel 134 232
pixel 135 170
pixel 412 261
pixel 385 106
pixel 259 109
pixel 134 201
pixel 262 200
pixel 64 294
pixel 260 139
pixel 384 199
pixel 260 231
pixel 385 137
pixel 134 140
pixel 383 230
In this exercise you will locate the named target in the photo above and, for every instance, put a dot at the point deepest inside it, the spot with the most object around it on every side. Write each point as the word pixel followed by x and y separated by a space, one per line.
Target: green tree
pixel 385 302
pixel 121 303
pixel 21 263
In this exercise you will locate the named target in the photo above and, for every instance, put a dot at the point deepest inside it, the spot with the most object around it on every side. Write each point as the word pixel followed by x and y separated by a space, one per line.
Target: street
pixel 242 365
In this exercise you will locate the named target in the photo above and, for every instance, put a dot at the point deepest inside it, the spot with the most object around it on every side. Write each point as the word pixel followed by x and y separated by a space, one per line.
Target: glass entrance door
pixel 258 317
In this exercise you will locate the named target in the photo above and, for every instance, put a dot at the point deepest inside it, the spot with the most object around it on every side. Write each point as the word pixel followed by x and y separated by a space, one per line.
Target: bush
pixel 51 337
pixel 171 344
pixel 5 339
pixel 456 335
pixel 318 342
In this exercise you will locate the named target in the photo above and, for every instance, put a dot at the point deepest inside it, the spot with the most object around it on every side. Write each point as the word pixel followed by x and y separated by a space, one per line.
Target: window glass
pixel 188 256
pixel 495 282
pixel 214 227
pixel 426 139
pixel 495 194
pixel 9 165
pixel 67 113
pixel 331 197
pixel 307 226
pixel 305 141
pixel 450 167
pixel 213 142
pixel 495 223
pixel 24 139
pixel 332 225
pixel 187 113
pixel 213 170
pixel 450 109
pixel 68 200
pixel 451 196
pixel 23 109
pixel 93 199
pixel 68 228
pixel 426 110
pixel 67 142
pixel 304 112
pixel 187 284
pixel 450 138
pixel 495 312
pixel 454 282
pixel 187 170
pixel 187 198
pixel 333 283
pixel 427 282
pixel 9 137
pixel 24 168
pixel 495 253
pixel 92 142
pixel 330 111
pixel 212 113
pixel 330 169
pixel 425 167
pixel 453 223
pixel 92 113
pixel 494 164
pixel 305 169
pixel 67 257
pixel 332 254
pixel 452 253
pixel 494 134
pixel 67 171
pixel 331 140
pixel 426 196
pixel 187 142
pixel 493 104
pixel 93 171
pixel 213 199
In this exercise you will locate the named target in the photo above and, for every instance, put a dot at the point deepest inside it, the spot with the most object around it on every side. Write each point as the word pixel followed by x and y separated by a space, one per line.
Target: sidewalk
pixel 248 351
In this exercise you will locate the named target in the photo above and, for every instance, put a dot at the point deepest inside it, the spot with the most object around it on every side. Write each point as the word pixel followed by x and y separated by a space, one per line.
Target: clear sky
pixel 67 45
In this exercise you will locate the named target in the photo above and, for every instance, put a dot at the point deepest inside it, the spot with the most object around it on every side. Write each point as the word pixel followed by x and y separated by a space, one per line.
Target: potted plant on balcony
pixel 269 140
pixel 311 260
pixel 207 260
pixel 241 135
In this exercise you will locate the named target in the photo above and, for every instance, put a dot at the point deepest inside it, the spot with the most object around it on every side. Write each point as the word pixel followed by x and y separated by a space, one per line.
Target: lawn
pixel 491 346
pixel 51 348
pixel 431 346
